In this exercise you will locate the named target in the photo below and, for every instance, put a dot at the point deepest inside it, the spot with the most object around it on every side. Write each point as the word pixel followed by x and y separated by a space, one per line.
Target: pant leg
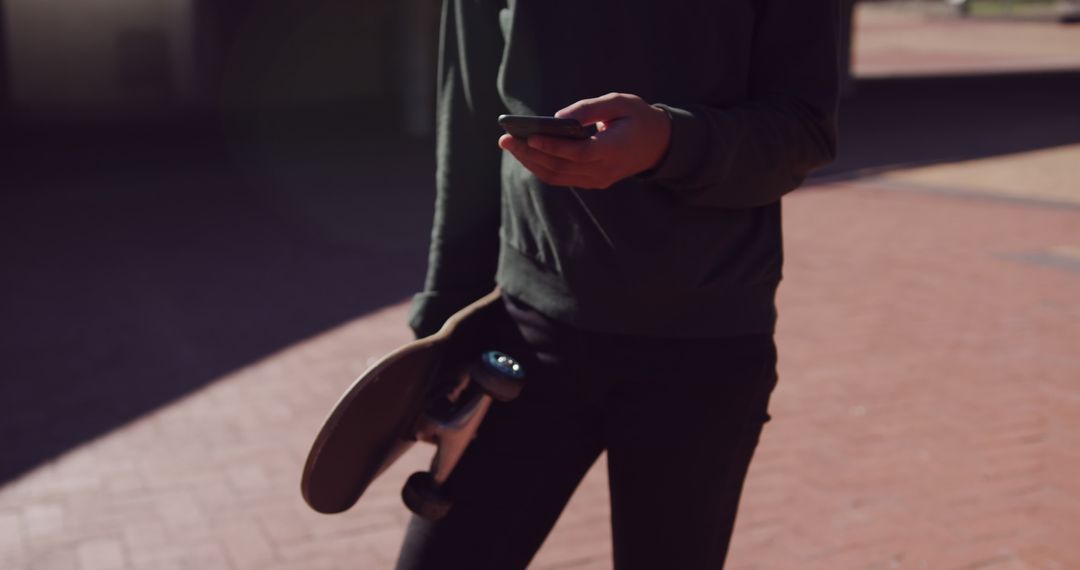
pixel 530 454
pixel 681 435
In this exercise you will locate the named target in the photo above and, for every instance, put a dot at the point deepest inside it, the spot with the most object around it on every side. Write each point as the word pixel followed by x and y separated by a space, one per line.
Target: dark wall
pixel 5 96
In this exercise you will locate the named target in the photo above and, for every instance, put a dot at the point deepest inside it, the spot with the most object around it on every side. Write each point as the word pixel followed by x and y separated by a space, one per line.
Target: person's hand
pixel 632 137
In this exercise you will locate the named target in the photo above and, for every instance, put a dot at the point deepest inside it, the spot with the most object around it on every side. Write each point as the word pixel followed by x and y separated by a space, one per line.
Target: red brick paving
pixel 942 376
pixel 897 39
pixel 926 418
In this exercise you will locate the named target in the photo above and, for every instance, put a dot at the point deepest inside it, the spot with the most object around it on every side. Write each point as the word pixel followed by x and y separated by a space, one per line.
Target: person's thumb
pixel 598 110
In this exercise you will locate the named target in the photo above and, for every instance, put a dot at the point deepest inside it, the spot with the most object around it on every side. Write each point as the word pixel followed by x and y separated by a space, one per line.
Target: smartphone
pixel 524 126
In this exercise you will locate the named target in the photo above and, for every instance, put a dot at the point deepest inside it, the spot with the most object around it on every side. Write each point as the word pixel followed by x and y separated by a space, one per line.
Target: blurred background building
pixel 69 60
pixel 155 59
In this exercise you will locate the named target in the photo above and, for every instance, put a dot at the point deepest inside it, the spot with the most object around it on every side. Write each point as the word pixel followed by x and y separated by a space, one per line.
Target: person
pixel 638 268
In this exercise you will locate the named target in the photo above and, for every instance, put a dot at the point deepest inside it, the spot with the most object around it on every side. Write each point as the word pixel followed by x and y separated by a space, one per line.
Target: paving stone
pixel 64 558
pixel 43 520
pixel 101 554
pixel 12 539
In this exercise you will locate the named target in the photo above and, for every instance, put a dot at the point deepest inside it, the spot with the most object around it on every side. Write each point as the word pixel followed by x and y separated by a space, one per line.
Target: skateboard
pixel 436 389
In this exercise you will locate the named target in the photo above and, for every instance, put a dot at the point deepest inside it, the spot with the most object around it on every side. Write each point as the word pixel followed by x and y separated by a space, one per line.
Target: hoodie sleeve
pixel 753 153
pixel 465 233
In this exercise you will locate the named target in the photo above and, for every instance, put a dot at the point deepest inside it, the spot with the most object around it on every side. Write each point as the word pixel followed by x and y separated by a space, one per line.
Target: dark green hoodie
pixel 690 249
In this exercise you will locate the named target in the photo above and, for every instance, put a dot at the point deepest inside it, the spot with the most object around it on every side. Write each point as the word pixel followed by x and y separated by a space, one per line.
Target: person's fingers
pixel 582 151
pixel 545 173
pixel 600 109
pixel 554 178
pixel 507 142
pixel 528 155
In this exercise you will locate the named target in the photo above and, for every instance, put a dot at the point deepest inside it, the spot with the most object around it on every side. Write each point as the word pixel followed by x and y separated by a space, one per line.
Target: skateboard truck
pixel 452 424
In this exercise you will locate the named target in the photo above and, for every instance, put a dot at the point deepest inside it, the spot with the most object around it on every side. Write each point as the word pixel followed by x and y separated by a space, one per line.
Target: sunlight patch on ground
pixel 892 41
pixel 212 479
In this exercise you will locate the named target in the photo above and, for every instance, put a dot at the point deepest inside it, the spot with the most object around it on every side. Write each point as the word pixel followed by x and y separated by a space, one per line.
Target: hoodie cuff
pixel 686 148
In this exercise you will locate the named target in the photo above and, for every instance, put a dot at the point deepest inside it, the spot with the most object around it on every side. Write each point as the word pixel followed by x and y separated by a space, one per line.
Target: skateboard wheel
pixel 421 494
pixel 499 375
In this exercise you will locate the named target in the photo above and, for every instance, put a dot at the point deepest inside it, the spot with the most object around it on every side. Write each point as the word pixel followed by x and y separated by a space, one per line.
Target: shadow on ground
pixel 898 123
pixel 140 266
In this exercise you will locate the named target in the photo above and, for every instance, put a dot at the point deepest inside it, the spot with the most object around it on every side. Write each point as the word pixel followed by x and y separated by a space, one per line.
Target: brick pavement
pixel 926 418
pixel 927 414
pixel 898 39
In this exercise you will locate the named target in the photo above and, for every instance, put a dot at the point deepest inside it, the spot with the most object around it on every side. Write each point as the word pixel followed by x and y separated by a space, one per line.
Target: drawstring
pixel 589 213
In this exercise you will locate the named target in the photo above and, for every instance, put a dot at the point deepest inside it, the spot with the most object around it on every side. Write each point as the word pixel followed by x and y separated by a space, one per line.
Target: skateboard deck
pixel 435 389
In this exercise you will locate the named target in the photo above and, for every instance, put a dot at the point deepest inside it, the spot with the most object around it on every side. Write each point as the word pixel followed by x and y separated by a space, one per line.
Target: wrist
pixel 662 136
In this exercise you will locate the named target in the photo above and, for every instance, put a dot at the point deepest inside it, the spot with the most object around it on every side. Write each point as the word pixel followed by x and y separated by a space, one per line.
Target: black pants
pixel 679 419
